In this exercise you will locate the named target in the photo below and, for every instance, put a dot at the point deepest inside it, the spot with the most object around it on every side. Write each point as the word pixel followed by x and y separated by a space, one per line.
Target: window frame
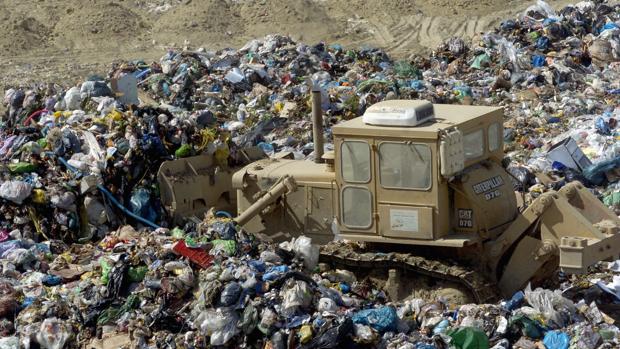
pixel 369 179
pixel 342 191
pixel 430 182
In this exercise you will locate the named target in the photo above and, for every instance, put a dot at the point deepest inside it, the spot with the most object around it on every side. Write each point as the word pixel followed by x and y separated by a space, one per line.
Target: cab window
pixel 473 144
pixel 355 161
pixel 405 165
pixel 356 207
pixel 493 135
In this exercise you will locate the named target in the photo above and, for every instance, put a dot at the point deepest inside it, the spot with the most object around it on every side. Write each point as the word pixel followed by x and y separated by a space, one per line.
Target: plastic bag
pixel 556 340
pixel 64 200
pixel 249 319
pixel 522 325
pixel 53 334
pixel 268 319
pixel 22 167
pixel 468 338
pixel 406 70
pixel 305 334
pixel 364 334
pixel 9 343
pixel 140 204
pixel 542 8
pixel 15 191
pixel 136 274
pixel 515 302
pixel 220 325
pixel 481 61
pixel 297 295
pixel 595 174
pixel 538 60
pixel 557 310
pixel 73 99
pixel 230 295
pixel 228 247
pixel 333 337
pixel 303 247
pixel 382 319
pixel 327 305
pixel 225 230
pixel 184 151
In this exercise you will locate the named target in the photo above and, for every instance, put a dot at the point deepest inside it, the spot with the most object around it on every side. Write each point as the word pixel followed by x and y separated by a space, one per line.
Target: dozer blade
pixel 573 225
pixel 191 186
pixel 588 233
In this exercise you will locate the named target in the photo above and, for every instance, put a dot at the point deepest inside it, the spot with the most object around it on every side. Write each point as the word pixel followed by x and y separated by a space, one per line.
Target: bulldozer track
pixel 481 289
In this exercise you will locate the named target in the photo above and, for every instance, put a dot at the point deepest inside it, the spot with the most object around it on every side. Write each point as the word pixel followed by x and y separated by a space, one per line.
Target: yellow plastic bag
pixel 305 334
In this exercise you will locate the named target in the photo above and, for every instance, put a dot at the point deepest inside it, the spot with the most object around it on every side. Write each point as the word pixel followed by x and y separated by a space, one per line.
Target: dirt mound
pixel 20 32
pixel 100 25
pixel 41 39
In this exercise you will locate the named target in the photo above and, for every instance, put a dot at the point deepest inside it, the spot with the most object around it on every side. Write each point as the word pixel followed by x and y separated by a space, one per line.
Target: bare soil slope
pixel 59 39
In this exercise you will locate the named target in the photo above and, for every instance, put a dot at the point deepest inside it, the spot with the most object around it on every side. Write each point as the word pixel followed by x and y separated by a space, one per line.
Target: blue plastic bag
pixel 274 273
pixel 542 43
pixel 140 204
pixel 609 26
pixel 602 126
pixel 538 60
pixel 556 340
pixel 515 302
pixel 381 319
pixel 596 173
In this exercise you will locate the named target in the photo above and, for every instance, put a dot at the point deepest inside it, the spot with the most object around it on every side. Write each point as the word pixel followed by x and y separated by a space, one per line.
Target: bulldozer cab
pixel 417 173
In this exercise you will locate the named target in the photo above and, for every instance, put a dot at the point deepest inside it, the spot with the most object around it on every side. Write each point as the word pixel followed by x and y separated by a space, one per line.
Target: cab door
pixel 406 188
pixel 356 183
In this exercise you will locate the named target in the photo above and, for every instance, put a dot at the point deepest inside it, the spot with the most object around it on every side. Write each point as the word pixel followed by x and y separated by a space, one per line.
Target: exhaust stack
pixel 317 124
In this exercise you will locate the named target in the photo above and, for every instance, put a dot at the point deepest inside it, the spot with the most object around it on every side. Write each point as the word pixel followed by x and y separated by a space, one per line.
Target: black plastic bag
pixel 335 337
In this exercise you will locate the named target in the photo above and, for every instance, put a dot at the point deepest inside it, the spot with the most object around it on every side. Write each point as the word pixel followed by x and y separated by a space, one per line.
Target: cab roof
pixel 446 115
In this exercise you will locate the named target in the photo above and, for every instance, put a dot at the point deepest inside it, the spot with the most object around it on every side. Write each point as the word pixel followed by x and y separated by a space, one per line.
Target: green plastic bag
pixel 370 84
pixel 105 271
pixel 468 338
pixel 22 167
pixel 184 151
pixel 227 246
pixel 481 61
pixel 406 70
pixel 177 233
pixel 528 327
pixel 612 200
pixel 42 142
pixel 112 314
pixel 136 274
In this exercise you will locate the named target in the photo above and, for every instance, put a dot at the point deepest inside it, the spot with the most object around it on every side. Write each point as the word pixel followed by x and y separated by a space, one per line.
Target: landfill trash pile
pixel 88 257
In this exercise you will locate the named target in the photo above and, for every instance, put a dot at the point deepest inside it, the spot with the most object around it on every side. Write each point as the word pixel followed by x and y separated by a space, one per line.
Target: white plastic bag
pixel 364 334
pixel 15 191
pixel 298 294
pixel 557 310
pixel 53 334
pixel 303 247
pixel 220 325
pixel 327 305
pixel 73 99
pixel 544 8
pixel 9 343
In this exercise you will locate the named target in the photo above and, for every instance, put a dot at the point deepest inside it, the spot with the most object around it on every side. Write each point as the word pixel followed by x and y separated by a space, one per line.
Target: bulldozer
pixel 423 187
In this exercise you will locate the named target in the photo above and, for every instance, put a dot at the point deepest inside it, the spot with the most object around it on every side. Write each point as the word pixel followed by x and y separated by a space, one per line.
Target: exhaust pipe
pixel 317 124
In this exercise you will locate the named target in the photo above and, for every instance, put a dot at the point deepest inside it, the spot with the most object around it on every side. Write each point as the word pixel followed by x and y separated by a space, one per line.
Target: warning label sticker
pixel 404 220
